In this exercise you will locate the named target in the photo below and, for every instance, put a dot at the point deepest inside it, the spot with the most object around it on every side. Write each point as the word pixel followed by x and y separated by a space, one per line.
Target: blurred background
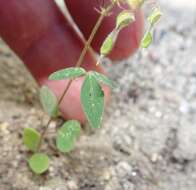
pixel 148 138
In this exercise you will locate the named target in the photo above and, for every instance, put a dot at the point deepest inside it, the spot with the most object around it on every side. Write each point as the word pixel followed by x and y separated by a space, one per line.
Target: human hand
pixel 40 35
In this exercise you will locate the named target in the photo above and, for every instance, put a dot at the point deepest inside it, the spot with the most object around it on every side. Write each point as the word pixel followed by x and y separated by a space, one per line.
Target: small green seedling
pixel 92 95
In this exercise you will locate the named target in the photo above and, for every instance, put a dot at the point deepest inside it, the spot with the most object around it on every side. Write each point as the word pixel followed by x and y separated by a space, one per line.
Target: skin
pixel 129 38
pixel 44 40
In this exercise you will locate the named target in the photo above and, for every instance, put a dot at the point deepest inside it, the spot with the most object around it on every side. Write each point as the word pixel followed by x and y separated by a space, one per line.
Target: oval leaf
pixel 147 40
pixel 67 135
pixel 48 101
pixel 108 43
pixel 103 79
pixel 155 16
pixel 39 163
pixel 68 73
pixel 124 19
pixel 92 98
pixel 31 138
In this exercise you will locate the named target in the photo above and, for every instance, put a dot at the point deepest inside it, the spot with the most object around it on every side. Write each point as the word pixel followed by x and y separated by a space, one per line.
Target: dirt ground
pixel 148 138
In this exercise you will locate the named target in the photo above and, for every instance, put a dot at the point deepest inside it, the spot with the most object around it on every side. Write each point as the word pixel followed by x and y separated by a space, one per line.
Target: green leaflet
pixel 68 73
pixel 31 138
pixel 92 98
pixel 67 135
pixel 109 43
pixel 124 19
pixel 103 79
pixel 39 163
pixel 147 40
pixel 154 16
pixel 152 19
pixel 48 101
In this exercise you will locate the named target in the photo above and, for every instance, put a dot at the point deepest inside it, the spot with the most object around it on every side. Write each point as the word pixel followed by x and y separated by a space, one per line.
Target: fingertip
pixel 70 106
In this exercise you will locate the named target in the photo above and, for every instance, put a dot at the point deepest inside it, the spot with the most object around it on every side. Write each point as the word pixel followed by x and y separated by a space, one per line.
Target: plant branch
pixel 104 13
pixel 51 119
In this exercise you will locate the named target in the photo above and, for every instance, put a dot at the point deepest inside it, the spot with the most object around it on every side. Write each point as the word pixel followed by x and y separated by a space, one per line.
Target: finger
pixel 40 35
pixel 85 16
pixel 71 107
pixel 42 38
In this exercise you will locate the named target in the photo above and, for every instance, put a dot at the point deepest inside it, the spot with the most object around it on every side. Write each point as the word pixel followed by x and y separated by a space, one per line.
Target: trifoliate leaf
pixel 155 16
pixel 147 40
pixel 31 138
pixel 39 163
pixel 68 73
pixel 48 101
pixel 124 19
pixel 103 79
pixel 92 98
pixel 67 135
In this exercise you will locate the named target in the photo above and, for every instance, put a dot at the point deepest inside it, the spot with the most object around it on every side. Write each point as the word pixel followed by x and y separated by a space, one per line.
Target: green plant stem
pixel 51 119
pixel 104 13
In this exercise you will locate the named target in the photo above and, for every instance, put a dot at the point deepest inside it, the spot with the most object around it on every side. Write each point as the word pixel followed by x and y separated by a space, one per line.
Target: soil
pixel 148 137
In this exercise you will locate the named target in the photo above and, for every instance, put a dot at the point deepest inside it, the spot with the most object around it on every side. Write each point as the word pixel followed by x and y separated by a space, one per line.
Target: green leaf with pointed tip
pixel 68 73
pixel 147 40
pixel 92 98
pixel 48 101
pixel 31 138
pixel 67 135
pixel 103 79
pixel 155 16
pixel 124 19
pixel 39 163
pixel 109 43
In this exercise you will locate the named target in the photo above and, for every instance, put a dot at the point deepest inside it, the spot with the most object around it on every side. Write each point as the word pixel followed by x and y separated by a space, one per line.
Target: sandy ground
pixel 148 137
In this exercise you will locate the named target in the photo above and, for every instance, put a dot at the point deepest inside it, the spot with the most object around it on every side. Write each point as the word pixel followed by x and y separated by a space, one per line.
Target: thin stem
pixel 104 13
pixel 51 119
pixel 43 134
pixel 94 31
